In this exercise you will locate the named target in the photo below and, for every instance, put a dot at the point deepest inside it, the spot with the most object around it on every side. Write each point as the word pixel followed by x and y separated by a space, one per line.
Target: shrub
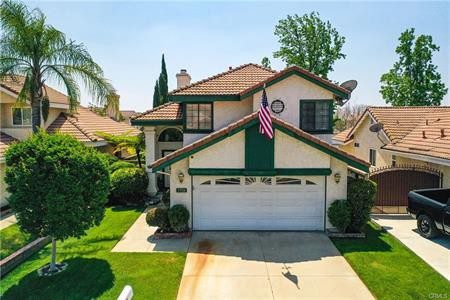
pixel 178 218
pixel 339 214
pixel 120 165
pixel 360 197
pixel 128 186
pixel 159 217
pixel 110 159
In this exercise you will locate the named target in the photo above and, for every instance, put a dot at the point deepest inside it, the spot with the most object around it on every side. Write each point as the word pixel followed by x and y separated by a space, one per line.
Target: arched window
pixel 171 135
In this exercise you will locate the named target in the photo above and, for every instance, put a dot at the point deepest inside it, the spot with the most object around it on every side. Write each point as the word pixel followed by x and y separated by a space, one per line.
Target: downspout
pixel 192 202
pixel 325 206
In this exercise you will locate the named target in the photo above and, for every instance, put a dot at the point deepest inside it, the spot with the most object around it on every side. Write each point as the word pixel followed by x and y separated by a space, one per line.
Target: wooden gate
pixel 394 183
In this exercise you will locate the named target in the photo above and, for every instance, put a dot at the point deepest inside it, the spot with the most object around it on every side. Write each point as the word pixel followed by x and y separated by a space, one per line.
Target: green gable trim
pixel 295 72
pixel 336 155
pixel 156 122
pixel 203 98
pixel 259 150
pixel 206 145
pixel 251 123
pixel 245 172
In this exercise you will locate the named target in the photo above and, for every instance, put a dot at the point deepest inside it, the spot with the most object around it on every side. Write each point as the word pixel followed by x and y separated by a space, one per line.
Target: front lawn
pixel 12 239
pixel 96 272
pixel 389 269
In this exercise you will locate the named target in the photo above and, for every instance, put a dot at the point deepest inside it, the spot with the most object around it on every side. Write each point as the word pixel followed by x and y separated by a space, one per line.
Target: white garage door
pixel 259 203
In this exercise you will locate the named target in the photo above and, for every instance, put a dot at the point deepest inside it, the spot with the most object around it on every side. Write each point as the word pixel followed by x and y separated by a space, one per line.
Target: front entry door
pixel 167 169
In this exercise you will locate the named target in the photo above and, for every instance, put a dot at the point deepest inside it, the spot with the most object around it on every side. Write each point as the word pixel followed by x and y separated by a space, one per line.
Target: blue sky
pixel 128 38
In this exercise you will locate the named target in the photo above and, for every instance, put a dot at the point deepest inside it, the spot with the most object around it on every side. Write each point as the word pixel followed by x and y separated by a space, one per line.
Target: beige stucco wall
pixel 369 140
pixel 228 153
pixel 291 90
pixel 290 153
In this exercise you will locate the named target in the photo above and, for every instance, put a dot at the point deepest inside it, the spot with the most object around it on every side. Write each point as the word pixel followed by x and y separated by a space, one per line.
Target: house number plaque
pixel 181 190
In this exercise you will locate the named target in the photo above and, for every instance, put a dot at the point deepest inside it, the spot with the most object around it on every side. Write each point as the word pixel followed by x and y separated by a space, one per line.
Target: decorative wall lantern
pixel 181 177
pixel 337 177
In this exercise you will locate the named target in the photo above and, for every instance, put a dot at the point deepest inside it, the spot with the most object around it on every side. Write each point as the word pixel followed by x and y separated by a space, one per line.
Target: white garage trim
pixel 258 203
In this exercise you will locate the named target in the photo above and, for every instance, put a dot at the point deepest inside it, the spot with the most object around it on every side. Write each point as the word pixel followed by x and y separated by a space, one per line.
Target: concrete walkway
pixel 435 252
pixel 7 221
pixel 267 265
pixel 139 238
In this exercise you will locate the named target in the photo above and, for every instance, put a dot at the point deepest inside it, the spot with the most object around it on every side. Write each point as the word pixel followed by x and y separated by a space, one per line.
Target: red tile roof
pixel 411 129
pixel 168 111
pixel 231 82
pixel 342 136
pixel 85 124
pixel 230 128
pixel 15 84
pixel 5 141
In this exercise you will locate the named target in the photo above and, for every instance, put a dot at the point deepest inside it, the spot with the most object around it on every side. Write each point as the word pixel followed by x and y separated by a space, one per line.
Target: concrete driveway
pixel 435 252
pixel 267 265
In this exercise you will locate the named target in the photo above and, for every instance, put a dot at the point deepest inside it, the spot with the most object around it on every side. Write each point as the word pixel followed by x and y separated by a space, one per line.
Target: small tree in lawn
pixel 58 186
pixel 414 79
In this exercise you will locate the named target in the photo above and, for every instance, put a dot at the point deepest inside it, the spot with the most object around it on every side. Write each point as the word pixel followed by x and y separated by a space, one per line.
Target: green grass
pixel 94 271
pixel 12 239
pixel 389 269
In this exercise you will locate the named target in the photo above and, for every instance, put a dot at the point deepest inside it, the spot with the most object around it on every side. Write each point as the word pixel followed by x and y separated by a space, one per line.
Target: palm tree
pixel 31 48
pixel 133 144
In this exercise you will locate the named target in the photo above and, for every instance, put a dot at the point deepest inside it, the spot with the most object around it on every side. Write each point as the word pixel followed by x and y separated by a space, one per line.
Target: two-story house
pixel 15 123
pixel 206 147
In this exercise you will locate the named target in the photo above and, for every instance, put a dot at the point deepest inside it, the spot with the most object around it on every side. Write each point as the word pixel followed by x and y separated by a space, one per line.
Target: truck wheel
pixel 426 227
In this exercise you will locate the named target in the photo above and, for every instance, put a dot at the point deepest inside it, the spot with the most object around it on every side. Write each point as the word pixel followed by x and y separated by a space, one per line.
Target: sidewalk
pixel 139 238
pixel 7 221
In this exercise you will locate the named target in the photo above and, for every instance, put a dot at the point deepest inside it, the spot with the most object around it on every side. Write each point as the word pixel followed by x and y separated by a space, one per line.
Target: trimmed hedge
pixel 128 186
pixel 360 198
pixel 178 218
pixel 158 217
pixel 120 165
pixel 340 215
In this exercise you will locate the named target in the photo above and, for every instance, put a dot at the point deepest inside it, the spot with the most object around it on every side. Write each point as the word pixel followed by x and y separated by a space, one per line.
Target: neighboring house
pixel 410 145
pixel 126 115
pixel 15 123
pixel 226 173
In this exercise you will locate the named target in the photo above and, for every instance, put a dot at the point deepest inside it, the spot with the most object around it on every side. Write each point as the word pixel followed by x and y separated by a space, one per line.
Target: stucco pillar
pixel 150 143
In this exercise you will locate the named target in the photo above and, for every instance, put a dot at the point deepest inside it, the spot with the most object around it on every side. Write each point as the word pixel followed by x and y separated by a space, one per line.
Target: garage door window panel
pixel 288 180
pixel 228 181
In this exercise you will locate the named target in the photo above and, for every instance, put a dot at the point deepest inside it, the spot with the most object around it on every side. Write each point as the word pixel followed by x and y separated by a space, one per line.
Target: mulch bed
pixel 158 235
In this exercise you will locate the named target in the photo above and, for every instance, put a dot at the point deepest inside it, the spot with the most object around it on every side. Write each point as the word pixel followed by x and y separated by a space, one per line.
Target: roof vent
pixel 442 132
pixel 426 121
pixel 423 134
pixel 230 68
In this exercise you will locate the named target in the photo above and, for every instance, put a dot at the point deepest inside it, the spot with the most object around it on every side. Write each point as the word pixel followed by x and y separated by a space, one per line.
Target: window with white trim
pixel 394 160
pixel 373 157
pixel 21 116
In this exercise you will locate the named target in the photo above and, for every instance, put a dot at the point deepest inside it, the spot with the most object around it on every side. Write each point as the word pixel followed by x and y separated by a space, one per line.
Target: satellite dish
pixel 350 85
pixel 376 127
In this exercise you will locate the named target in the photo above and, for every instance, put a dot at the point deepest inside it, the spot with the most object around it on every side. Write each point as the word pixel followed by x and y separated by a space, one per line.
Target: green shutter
pixel 259 150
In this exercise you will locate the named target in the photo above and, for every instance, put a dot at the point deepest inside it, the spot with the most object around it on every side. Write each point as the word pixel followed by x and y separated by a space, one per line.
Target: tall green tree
pixel 414 79
pixel 31 48
pixel 156 96
pixel 265 62
pixel 309 42
pixel 163 82
pixel 59 187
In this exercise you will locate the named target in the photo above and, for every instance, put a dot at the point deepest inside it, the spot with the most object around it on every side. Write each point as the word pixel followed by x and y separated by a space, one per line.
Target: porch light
pixel 337 177
pixel 181 177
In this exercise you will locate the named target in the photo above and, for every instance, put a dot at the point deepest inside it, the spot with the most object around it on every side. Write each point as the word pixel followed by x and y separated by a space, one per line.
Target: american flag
pixel 265 121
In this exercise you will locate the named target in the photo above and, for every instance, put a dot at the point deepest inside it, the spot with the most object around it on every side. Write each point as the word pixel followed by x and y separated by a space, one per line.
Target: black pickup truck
pixel 431 208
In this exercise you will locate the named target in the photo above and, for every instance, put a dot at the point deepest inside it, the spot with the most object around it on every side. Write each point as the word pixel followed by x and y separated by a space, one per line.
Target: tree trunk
pixel 35 113
pixel 53 262
pixel 138 153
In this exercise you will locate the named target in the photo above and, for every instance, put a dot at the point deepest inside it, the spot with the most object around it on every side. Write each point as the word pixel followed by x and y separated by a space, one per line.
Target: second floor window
pixel 21 116
pixel 373 157
pixel 315 116
pixel 199 117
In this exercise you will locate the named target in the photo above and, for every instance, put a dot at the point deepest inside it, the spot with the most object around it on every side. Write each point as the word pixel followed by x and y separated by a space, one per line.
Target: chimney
pixel 183 78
